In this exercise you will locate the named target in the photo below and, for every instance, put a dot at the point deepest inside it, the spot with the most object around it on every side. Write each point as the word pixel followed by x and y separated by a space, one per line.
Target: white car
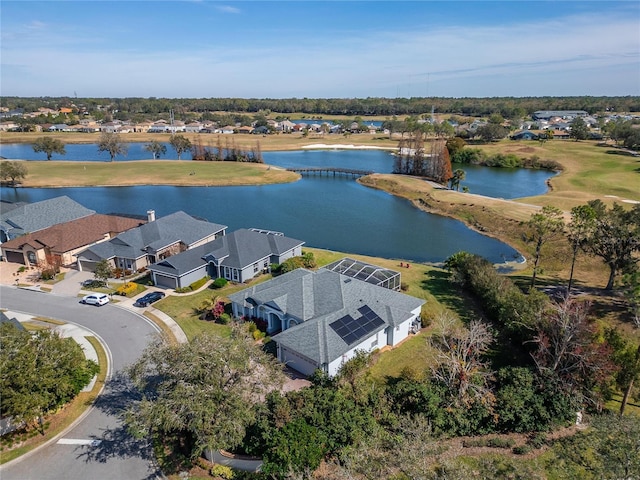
pixel 97 299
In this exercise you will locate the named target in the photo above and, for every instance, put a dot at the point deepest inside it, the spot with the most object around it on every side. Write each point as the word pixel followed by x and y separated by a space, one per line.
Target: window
pixel 31 256
pixel 255 268
pixel 374 344
pixel 235 274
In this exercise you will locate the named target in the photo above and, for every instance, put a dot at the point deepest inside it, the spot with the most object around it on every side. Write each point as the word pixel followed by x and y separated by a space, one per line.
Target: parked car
pixel 97 299
pixel 148 299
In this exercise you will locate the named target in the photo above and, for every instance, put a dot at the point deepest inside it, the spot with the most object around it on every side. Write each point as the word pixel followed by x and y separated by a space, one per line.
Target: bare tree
pixel 460 363
pixel 568 351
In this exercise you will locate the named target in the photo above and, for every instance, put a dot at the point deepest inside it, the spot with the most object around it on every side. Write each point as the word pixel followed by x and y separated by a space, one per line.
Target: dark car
pixel 148 299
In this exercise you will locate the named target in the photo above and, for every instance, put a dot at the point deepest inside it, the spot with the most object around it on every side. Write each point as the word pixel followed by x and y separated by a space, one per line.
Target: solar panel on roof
pixel 352 329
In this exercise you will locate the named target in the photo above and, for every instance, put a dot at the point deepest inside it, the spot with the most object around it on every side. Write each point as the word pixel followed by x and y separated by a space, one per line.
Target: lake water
pixel 335 213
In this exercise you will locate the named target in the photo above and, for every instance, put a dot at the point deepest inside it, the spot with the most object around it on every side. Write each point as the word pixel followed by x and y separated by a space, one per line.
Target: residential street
pixel 98 447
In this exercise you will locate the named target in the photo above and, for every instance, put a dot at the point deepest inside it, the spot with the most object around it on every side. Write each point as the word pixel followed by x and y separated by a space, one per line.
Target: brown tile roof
pixel 76 233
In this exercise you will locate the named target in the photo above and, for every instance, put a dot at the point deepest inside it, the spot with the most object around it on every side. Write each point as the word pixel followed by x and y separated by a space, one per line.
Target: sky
pixel 319 49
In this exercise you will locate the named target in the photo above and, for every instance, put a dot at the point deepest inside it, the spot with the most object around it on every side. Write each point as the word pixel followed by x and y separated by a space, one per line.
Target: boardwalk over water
pixel 330 170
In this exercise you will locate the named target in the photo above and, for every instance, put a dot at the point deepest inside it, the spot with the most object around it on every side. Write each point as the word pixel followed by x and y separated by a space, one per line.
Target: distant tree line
pixel 508 107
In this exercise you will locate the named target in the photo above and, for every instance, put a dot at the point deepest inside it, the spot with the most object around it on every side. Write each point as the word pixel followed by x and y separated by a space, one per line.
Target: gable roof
pixel 75 233
pixel 32 217
pixel 320 298
pixel 238 249
pixel 165 231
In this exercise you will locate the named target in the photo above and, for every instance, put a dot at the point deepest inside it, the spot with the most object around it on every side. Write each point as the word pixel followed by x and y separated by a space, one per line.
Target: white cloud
pixel 582 54
pixel 227 9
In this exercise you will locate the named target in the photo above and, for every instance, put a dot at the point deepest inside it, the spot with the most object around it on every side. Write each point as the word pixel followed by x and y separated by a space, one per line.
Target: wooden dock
pixel 330 171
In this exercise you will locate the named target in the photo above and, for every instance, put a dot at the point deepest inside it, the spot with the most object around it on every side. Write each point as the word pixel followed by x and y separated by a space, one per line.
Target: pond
pixel 334 213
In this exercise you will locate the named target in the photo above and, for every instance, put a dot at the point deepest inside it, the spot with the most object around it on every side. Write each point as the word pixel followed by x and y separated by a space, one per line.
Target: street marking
pixel 79 441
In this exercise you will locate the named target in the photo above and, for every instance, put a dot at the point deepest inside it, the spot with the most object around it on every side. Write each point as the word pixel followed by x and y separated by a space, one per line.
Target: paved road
pixel 115 455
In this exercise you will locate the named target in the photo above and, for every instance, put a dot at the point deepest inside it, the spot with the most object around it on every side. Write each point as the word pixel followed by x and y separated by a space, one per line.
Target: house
pixel 245 129
pixel 59 243
pixel 325 317
pixel 548 114
pixel 19 219
pixel 238 256
pixel 228 130
pixel 154 241
pixel 525 135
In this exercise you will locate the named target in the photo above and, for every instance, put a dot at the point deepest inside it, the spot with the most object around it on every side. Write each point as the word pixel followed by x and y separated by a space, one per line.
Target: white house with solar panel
pixel 320 319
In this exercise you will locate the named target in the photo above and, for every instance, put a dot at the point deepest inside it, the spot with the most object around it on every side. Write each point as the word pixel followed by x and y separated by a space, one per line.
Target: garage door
pixel 164 281
pixel 87 266
pixel 14 257
pixel 297 362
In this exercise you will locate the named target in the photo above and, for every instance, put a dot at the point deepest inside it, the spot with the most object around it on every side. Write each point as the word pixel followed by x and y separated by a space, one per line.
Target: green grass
pixel 413 356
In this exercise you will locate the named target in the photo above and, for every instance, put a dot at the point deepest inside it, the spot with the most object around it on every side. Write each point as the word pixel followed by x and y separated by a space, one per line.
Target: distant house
pixel 238 257
pixel 548 114
pixel 324 317
pixel 59 127
pixel 22 218
pixel 228 130
pixel 59 243
pixel 525 135
pixel 152 242
pixel 286 126
pixel 245 129
pixel 193 127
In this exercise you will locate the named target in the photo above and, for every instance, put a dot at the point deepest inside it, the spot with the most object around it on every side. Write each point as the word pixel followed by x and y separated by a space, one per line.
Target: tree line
pixel 508 107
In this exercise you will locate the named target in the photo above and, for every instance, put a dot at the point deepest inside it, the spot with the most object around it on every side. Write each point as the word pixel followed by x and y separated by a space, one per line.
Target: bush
pixel 127 289
pixel 522 449
pixel 498 442
pixel 48 274
pixel 222 471
pixel 258 335
pixel 219 283
pixel 537 440
pixel 224 319
pixel 199 283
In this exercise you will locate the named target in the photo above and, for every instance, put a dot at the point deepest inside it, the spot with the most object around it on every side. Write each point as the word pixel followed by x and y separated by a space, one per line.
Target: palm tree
pixel 458 176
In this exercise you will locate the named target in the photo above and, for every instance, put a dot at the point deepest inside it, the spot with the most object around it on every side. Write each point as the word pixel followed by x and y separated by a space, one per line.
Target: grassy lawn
pixel 152 172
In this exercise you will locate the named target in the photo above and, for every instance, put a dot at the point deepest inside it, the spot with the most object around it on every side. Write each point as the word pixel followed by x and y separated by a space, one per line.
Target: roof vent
pixel 151 216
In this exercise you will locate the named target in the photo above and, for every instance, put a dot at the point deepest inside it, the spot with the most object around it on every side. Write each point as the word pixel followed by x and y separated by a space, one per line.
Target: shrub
pixel 219 283
pixel 522 449
pixel 222 471
pixel 127 289
pixel 22 269
pixel 537 440
pixel 48 274
pixel 224 319
pixel 258 335
pixel 498 442
pixel 198 283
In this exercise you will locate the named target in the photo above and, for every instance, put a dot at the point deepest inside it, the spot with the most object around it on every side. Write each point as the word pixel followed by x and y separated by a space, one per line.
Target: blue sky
pixel 319 49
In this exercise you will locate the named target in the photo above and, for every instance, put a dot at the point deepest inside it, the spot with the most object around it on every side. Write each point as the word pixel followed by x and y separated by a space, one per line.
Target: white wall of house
pixel 369 344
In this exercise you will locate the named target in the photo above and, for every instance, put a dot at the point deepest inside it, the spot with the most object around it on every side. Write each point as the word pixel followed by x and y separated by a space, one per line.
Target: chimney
pixel 151 215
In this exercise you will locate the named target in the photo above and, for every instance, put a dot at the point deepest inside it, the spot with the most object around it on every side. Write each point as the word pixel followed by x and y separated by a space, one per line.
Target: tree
pixel 12 172
pixel 491 132
pixel 180 144
pixel 103 271
pixel 49 146
pixel 579 230
pixel 626 356
pixel 40 371
pixel 579 129
pixel 112 144
pixel 454 145
pixel 156 148
pixel 203 391
pixel 460 364
pixel 543 227
pixel 616 237
pixel 458 176
pixel 631 291
pixel 569 352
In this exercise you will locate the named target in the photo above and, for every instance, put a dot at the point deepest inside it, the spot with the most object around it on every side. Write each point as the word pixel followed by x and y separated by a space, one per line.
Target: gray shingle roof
pixel 165 231
pixel 320 298
pixel 36 216
pixel 238 249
